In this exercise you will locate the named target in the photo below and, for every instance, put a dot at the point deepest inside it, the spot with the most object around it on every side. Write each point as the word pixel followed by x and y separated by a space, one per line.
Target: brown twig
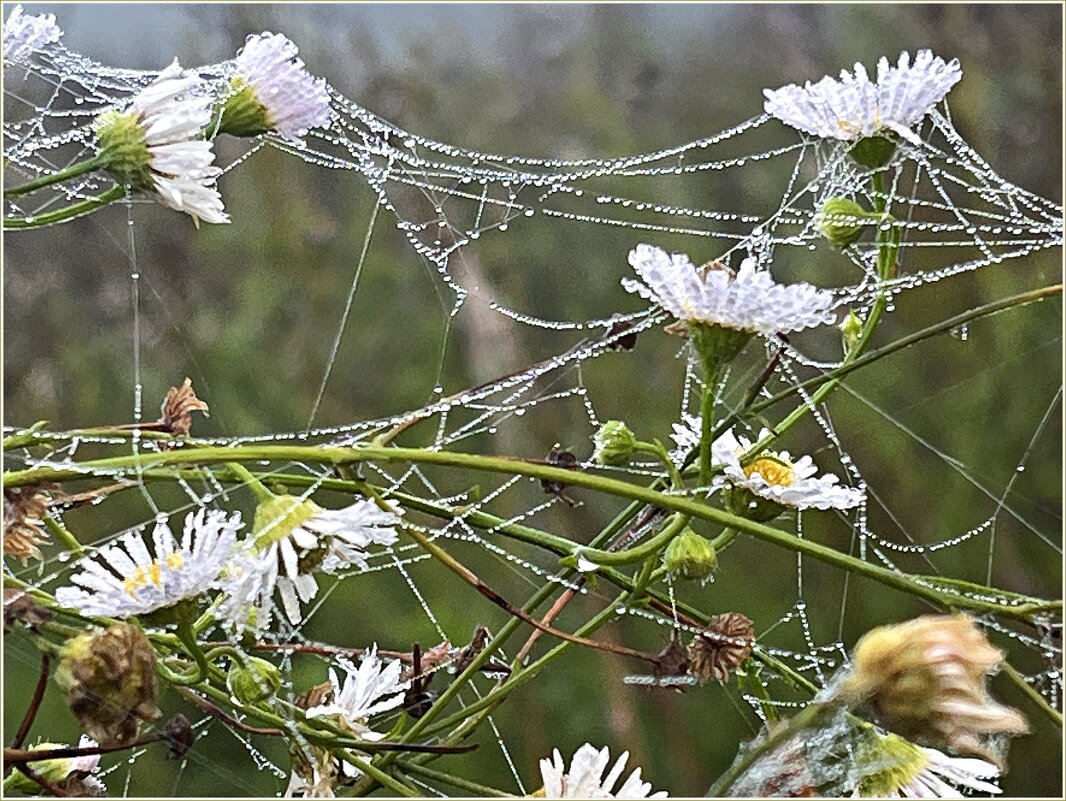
pixel 35 702
pixel 46 784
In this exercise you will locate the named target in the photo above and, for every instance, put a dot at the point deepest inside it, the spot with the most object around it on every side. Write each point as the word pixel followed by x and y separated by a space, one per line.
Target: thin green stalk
pixel 67 212
pixel 1030 691
pixel 632 555
pixel 512 466
pixel 63 536
pixel 710 381
pixel 471 788
pixel 250 480
pixel 73 171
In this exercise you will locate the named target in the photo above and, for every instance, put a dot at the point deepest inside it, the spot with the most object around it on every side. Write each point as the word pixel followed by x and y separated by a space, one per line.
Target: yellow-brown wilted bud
pixel 615 444
pixel 690 556
pixel 254 681
pixel 109 681
pixel 926 680
pixel 722 647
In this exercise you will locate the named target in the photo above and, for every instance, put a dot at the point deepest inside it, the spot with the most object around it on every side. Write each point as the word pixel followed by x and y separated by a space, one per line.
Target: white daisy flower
pixel 855 106
pixel 124 579
pixel 585 778
pixel 372 688
pixel 292 539
pixel 775 477
pixel 749 301
pixel 156 145
pixel 273 91
pixel 25 34
pixel 945 776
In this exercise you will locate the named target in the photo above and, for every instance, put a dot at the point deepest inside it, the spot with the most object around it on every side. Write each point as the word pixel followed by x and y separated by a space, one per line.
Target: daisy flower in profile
pixel 856 107
pixel 156 146
pixel 585 777
pixel 273 92
pixel 124 579
pixel 773 480
pixel 24 34
pixel 905 770
pixel 714 303
pixel 292 539
pixel 374 687
pixel 73 774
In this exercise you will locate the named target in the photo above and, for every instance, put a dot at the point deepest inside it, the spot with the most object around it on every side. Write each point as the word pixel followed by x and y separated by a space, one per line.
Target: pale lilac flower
pixel 749 301
pixel 855 106
pixel 293 100
pixel 24 34
pixel 123 579
pixel 372 688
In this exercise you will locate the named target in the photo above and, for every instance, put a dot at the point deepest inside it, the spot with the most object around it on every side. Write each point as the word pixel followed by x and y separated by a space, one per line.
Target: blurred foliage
pixel 249 311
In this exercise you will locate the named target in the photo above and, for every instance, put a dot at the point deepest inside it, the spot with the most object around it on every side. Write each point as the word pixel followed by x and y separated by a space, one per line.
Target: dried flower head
pixel 178 406
pixel 109 680
pixel 24 512
pixel 926 679
pixel 20 606
pixel 721 648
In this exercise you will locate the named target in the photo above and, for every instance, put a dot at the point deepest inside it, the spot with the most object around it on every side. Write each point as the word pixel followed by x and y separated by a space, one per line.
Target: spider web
pixel 957 216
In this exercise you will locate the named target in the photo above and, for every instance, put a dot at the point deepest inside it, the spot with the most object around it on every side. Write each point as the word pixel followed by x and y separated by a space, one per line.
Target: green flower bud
pixel 850 330
pixel 242 114
pixel 109 681
pixel 255 681
pixel 690 556
pixel 615 444
pixel 840 221
pixel 123 144
pixel 745 503
pixel 873 151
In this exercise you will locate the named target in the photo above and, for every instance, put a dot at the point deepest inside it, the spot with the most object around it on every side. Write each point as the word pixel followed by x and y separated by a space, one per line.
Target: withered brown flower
pixel 24 512
pixel 926 679
pixel 178 407
pixel 721 648
pixel 109 681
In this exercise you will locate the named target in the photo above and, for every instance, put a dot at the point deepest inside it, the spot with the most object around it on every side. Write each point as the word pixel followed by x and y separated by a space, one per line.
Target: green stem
pixel 471 788
pixel 632 555
pixel 73 171
pixel 187 637
pixel 513 466
pixel 657 449
pixel 66 213
pixel 1031 692
pixel 710 381
pixel 60 532
pixel 250 480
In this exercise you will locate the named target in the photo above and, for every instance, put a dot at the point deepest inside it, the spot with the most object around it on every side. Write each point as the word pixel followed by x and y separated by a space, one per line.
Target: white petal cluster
pixel 124 579
pixel 784 481
pixel 585 777
pixel 344 535
pixel 370 689
pixel 855 106
pixel 25 34
pixel 295 101
pixel 943 776
pixel 749 301
pixel 686 436
pixel 182 165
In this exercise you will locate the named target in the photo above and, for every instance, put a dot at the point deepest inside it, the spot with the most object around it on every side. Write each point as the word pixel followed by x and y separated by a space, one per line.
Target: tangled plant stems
pixel 211 612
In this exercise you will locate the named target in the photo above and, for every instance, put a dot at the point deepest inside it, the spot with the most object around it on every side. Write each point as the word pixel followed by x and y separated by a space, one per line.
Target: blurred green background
pixel 249 312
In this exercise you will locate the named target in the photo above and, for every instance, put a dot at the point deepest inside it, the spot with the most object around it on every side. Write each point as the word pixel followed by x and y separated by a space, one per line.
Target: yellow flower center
pixel 773 469
pixel 152 574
